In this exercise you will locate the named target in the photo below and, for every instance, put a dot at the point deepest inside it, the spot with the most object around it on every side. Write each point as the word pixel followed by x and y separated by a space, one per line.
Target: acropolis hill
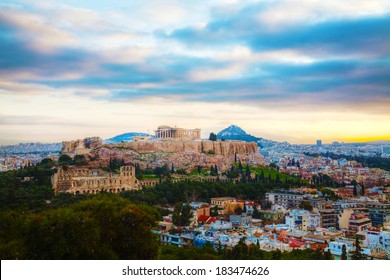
pixel 179 147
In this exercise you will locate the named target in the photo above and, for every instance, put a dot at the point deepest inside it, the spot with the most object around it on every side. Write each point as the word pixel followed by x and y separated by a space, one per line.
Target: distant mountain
pixel 234 132
pixel 125 137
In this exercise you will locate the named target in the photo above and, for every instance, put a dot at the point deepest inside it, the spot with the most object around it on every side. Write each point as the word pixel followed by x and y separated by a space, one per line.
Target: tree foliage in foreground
pixel 103 227
pixel 239 252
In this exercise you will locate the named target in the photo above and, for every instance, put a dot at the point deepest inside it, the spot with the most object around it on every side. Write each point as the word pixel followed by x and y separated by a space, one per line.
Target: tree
pixel 238 210
pixel 62 234
pixel 240 166
pixel 240 251
pixel 256 213
pixel 354 183
pixel 276 254
pixel 357 253
pixel 182 214
pixel 162 171
pixel 214 170
pixel 47 163
pixel 355 193
pixel 103 227
pixel 233 173
pixel 306 205
pixel 125 228
pixel 214 211
pixel 262 177
pixel 65 160
pixel 248 171
pixel 328 255
pixel 272 165
pixel 138 173
pixel 172 169
pixel 80 160
pixel 213 136
pixel 344 253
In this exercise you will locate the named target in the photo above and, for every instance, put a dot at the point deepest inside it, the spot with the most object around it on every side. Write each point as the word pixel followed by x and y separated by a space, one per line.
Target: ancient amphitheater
pixel 91 181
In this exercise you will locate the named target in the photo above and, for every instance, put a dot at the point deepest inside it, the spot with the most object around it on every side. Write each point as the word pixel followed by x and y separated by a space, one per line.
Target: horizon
pixel 206 138
pixel 280 71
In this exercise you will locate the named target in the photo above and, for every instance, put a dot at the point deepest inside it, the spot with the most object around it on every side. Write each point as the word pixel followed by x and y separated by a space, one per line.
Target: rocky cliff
pixel 185 155
pixel 225 148
pixel 80 146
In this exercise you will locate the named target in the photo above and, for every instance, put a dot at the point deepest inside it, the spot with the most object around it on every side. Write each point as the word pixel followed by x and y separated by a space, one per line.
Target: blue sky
pixel 284 70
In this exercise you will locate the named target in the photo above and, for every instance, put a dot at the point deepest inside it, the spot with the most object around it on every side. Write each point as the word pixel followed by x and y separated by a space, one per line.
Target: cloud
pixel 166 13
pixel 342 36
pixel 209 74
pixel 34 30
pixel 318 56
pixel 281 14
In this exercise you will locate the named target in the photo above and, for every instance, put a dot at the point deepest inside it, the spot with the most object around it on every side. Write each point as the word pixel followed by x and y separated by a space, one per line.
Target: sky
pixel 285 70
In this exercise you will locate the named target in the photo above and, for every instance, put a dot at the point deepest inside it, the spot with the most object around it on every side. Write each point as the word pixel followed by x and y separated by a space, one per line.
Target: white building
pixel 375 238
pixel 303 219
pixel 336 247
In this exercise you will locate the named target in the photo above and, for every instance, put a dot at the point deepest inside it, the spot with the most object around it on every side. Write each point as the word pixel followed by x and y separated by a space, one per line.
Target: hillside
pixel 234 132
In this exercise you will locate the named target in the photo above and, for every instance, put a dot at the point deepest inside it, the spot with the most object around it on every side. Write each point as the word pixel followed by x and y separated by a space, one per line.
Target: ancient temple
pixel 167 132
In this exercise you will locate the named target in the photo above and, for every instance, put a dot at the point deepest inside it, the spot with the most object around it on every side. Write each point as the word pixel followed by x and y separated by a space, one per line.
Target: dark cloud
pixel 351 63
pixel 17 55
pixel 369 35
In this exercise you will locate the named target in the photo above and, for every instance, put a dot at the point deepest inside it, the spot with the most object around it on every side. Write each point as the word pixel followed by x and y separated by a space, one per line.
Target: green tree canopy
pixel 306 205
pixel 47 163
pixel 65 160
pixel 105 226
pixel 80 160
pixel 213 136
pixel 357 253
pixel 344 253
pixel 182 214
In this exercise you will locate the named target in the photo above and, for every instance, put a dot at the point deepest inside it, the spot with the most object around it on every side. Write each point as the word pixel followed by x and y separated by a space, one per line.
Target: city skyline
pixel 279 70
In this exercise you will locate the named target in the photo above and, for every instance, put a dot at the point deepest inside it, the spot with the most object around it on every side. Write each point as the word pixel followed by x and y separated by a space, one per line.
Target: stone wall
pixel 80 146
pixel 225 148
pixel 91 181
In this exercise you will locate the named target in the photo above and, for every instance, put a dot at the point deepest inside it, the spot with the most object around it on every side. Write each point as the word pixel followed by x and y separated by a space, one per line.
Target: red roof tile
pixel 203 218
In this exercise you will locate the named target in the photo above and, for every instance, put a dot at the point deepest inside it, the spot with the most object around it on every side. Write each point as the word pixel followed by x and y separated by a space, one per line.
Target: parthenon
pixel 167 132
